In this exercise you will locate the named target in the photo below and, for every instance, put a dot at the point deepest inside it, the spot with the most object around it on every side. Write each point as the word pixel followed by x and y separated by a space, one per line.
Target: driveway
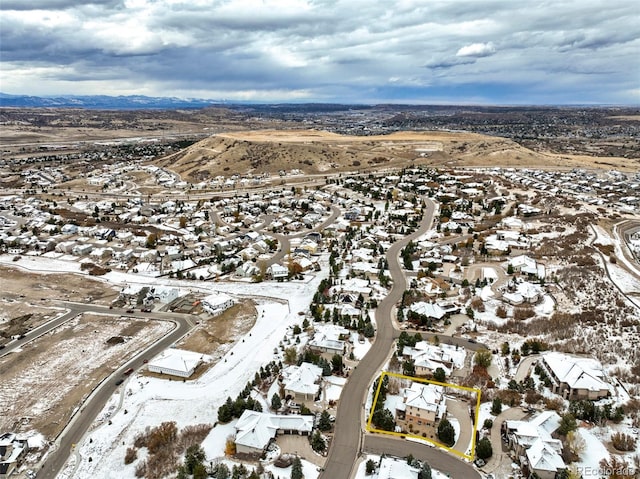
pixel 524 368
pixel 460 410
pixel 299 445
pixel 500 452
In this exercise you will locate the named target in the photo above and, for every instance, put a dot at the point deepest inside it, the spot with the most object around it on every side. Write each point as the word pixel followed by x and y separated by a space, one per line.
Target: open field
pixel 28 300
pixel 45 382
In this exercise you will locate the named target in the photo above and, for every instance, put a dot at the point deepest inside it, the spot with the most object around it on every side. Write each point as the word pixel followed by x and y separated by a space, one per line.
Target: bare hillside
pixel 317 152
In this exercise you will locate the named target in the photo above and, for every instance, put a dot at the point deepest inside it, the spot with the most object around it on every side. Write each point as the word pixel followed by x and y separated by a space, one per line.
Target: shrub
pixel 523 312
pixel 554 404
pixel 131 455
pixel 141 469
pixel 192 435
pixel 477 304
pixel 230 447
pixel 162 437
pixel 509 397
pixel 623 442
pixel 501 311
pixel 488 424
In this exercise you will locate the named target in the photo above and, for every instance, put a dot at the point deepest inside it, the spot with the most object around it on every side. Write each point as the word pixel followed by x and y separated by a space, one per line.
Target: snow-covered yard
pixel 146 402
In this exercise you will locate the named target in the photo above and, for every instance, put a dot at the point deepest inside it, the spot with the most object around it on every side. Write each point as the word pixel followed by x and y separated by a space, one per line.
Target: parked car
pixel 130 311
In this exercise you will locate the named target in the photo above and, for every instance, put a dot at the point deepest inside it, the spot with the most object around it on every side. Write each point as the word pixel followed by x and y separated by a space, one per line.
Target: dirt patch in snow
pixel 214 332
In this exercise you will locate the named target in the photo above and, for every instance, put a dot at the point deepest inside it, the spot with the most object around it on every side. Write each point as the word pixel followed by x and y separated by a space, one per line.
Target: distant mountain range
pixel 103 102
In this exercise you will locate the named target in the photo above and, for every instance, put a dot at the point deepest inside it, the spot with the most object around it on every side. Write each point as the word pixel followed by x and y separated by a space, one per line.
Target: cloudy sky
pixel 370 51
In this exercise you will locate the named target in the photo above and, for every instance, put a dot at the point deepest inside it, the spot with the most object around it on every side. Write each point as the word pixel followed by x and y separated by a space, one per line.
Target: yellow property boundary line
pixel 436 443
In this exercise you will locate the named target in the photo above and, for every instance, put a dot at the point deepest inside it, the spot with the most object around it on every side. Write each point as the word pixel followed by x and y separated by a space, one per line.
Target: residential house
pixel 428 357
pixel 522 292
pixel 216 303
pixel 176 362
pixel 247 269
pixel 429 310
pixel 422 407
pixel 301 383
pixel 394 468
pixel 277 271
pixel 575 377
pixel 526 265
pixel 327 340
pixel 255 430
pixel 536 450
pixel 12 453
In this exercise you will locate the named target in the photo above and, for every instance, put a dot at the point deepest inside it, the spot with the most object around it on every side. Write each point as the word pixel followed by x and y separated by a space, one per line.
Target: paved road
pixel 346 444
pixel 83 419
pixel 454 467
pixel 37 332
pixel 283 240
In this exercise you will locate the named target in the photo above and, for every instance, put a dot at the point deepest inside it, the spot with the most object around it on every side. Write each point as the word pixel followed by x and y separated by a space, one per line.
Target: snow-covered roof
pixel 538 428
pixel 216 299
pixel 430 310
pixel 578 373
pixel 392 468
pixel 255 429
pixel 543 457
pixel 302 379
pixel 443 353
pixel 427 397
pixel 177 360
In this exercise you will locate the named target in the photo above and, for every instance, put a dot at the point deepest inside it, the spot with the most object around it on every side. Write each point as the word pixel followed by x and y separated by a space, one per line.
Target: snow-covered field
pixel 150 401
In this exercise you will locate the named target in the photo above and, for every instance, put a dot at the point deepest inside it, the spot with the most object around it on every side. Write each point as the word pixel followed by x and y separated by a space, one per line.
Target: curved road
pixel 283 240
pixel 94 404
pixel 348 436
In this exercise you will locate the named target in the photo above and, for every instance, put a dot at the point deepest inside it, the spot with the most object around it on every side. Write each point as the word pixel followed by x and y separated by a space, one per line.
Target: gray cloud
pixel 338 50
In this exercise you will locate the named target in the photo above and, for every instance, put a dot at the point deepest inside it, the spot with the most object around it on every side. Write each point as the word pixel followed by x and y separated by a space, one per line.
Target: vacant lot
pixel 42 384
pixel 212 334
pixel 27 300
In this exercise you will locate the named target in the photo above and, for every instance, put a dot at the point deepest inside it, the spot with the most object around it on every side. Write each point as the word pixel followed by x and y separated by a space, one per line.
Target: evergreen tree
pixel 496 406
pixel 483 449
pixel 195 455
pixel 370 467
pixel 383 419
pixel 296 469
pixel 199 471
pixel 425 471
pixel 337 364
pixel 225 413
pixel 446 433
pixel 220 471
pixel 324 423
pixel 317 442
pixel 439 375
pixel 276 402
